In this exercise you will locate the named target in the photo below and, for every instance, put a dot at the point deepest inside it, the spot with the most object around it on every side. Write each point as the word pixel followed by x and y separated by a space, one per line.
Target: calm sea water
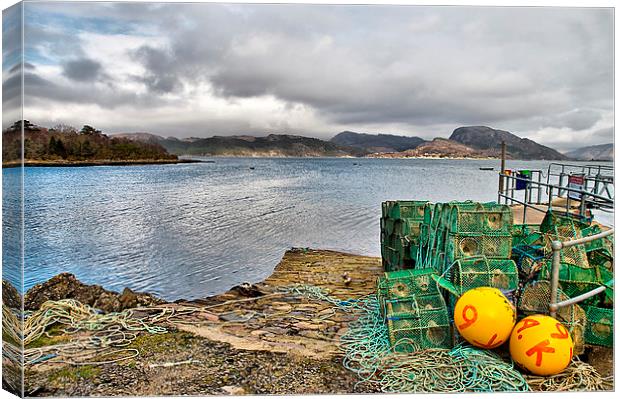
pixel 193 230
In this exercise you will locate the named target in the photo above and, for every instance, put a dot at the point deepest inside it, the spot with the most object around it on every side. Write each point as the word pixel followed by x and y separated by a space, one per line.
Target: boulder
pixel 10 296
pixel 67 286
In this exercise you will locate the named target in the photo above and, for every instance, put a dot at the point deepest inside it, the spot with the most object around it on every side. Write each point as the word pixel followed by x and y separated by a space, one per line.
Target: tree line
pixel 64 142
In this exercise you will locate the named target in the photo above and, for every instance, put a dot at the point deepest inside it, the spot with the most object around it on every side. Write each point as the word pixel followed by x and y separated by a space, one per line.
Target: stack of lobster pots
pixel 400 229
pixel 456 246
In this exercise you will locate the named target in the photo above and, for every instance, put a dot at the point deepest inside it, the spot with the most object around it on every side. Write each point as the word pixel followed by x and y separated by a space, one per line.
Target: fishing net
pixel 602 259
pixel 528 258
pixel 369 353
pixel 405 283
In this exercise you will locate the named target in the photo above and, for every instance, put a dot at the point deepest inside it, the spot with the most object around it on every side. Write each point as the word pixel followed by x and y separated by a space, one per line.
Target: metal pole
pixel 556 246
pixel 554 307
pixel 539 201
pixel 525 201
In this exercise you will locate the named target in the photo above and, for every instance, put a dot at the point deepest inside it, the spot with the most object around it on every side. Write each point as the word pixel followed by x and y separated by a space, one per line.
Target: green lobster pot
pixel 491 245
pixel 418 329
pixel 600 326
pixel 482 272
pixel 475 217
pixel 405 209
pixel 436 220
pixel 403 284
pixel 601 259
pixel 424 234
pixel 428 213
pixel 574 280
pixel 446 210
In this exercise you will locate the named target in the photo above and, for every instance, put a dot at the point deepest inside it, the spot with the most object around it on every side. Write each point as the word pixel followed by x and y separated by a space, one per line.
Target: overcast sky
pixel 207 69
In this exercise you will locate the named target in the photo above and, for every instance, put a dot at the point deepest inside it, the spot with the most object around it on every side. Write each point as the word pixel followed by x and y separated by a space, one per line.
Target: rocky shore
pixel 98 162
pixel 253 339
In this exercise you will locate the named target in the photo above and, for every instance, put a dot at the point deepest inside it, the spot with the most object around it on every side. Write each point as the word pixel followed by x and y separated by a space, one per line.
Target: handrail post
pixel 556 246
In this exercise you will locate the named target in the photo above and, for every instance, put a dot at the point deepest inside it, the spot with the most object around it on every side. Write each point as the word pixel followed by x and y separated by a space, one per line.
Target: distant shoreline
pixel 102 162
pixel 64 163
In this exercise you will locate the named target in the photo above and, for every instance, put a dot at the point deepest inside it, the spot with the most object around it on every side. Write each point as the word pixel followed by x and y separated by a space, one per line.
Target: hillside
pixel 602 152
pixel 64 145
pixel 439 148
pixel 486 138
pixel 273 145
pixel 377 142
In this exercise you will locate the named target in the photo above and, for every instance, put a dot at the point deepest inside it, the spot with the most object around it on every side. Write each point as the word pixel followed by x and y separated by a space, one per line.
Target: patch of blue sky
pixel 10 60
pixel 33 56
pixel 71 25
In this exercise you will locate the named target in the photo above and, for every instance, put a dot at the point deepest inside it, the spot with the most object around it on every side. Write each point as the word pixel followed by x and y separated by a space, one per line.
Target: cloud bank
pixel 207 69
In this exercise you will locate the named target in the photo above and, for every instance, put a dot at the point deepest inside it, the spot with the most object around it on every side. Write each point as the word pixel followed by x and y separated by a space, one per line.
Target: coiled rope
pixel 579 376
pixel 111 333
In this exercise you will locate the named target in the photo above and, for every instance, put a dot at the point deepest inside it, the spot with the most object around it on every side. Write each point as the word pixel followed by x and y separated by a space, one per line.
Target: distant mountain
pixel 273 145
pixel 602 152
pixel 486 138
pixel 377 142
pixel 439 148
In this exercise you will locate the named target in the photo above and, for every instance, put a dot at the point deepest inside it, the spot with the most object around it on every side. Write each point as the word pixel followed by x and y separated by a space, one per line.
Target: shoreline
pixel 253 339
pixel 103 162
pixel 196 159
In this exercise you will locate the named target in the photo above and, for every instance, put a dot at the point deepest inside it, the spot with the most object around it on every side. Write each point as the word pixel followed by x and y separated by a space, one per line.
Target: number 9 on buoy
pixel 484 317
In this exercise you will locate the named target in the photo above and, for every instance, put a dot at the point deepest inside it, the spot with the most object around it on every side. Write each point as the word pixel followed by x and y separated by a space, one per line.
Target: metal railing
pixel 557 246
pixel 597 178
pixel 536 192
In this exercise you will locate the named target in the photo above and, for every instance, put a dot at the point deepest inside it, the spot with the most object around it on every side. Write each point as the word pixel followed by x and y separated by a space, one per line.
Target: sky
pixel 227 69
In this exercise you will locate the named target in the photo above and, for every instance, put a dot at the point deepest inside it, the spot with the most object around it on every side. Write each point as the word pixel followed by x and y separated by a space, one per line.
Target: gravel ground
pixel 207 368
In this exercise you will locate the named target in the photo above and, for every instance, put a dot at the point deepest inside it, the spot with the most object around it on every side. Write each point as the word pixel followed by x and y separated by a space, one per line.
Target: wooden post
pixel 502 167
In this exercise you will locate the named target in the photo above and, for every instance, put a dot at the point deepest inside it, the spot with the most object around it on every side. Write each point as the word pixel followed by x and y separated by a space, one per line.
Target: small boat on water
pixel 486 168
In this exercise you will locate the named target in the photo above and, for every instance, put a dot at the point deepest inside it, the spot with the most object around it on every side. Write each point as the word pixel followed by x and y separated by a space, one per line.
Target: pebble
pixel 233 390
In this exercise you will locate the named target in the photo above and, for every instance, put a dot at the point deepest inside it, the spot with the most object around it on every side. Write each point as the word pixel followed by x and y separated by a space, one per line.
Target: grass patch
pixel 157 343
pixel 74 373
pixel 56 337
pixel 6 337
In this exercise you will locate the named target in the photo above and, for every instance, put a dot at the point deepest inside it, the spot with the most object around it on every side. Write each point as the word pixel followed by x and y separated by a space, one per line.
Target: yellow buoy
pixel 541 345
pixel 484 317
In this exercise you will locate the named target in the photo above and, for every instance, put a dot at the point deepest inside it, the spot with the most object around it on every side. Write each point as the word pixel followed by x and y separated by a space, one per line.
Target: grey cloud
pixel 18 67
pixel 160 64
pixel 82 70
pixel 582 119
pixel 578 119
pixel 519 68
pixel 37 87
pixel 11 35
pixel 605 135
